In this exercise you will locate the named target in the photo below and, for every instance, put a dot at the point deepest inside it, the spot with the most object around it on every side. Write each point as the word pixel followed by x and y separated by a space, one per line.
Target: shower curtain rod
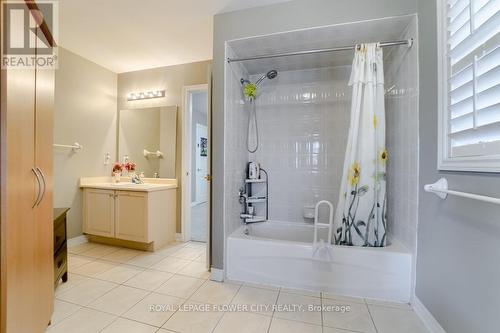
pixel 408 42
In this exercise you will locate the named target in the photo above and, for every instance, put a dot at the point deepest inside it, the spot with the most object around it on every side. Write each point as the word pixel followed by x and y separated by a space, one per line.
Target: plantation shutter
pixel 473 57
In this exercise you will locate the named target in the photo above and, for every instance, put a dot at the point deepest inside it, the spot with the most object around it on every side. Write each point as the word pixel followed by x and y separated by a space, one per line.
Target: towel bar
pixel 440 188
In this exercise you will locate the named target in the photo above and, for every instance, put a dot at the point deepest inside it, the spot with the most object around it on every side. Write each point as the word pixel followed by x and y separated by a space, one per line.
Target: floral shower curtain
pixel 360 216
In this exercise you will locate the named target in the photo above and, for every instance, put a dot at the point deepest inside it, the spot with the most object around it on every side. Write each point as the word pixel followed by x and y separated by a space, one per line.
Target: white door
pixel 201 163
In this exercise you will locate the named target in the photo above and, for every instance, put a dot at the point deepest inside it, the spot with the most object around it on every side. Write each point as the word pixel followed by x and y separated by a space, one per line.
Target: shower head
pixel 270 75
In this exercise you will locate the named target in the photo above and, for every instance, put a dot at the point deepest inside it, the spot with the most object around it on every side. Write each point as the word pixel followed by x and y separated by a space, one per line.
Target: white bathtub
pixel 281 254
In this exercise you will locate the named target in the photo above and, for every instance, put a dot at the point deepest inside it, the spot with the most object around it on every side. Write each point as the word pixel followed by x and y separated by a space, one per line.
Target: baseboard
pixel 178 237
pixel 216 274
pixel 77 240
pixel 430 322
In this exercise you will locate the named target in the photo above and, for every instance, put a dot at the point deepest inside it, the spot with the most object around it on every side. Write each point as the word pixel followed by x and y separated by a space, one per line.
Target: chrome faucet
pixel 137 180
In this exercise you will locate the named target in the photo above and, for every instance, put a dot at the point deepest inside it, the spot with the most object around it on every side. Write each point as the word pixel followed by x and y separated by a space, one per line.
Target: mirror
pixel 148 138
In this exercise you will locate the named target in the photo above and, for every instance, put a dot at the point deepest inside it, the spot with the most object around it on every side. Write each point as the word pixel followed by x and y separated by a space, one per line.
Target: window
pixel 469 85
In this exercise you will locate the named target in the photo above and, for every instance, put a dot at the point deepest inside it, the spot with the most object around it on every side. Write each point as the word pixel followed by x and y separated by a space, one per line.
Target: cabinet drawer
pixel 60 261
pixel 59 236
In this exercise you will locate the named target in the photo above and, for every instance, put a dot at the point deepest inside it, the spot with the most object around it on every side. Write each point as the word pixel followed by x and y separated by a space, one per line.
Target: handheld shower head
pixel 270 75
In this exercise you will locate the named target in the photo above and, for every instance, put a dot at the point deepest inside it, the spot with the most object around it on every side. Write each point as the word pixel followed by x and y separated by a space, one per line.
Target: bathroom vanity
pixel 139 216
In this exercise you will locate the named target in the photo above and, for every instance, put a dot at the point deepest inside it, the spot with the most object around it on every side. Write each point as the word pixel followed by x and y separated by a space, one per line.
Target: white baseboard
pixel 77 240
pixel 178 237
pixel 430 322
pixel 216 274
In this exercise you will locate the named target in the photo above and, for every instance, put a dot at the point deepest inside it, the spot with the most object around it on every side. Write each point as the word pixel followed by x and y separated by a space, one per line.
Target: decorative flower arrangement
pixel 130 167
pixel 117 168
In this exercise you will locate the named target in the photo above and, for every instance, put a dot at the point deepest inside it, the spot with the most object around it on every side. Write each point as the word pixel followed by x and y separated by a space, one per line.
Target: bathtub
pixel 281 254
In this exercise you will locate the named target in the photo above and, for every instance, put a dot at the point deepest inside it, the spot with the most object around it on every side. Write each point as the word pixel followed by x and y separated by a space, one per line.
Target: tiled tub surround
pixel 303 121
pixel 236 155
pixel 401 75
pixel 111 289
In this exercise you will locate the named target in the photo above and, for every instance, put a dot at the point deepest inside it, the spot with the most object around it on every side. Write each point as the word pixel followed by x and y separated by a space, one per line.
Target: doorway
pixel 196 165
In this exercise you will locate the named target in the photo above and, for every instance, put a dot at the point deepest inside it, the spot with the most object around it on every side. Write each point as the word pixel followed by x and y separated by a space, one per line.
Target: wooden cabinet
pixel 133 216
pixel 26 281
pixel 99 212
pixel 60 246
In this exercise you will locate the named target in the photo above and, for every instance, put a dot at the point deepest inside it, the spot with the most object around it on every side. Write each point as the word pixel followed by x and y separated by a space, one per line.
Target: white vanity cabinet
pixel 99 212
pixel 140 214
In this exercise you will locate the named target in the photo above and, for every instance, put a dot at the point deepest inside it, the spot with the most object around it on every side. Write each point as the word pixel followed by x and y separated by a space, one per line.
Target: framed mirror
pixel 148 138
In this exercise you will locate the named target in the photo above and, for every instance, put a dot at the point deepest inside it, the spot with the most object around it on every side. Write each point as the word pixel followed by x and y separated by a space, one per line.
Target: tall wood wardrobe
pixel 27 268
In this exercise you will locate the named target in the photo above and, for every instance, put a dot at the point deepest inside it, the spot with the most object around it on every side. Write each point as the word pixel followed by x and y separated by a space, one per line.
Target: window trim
pixel 487 163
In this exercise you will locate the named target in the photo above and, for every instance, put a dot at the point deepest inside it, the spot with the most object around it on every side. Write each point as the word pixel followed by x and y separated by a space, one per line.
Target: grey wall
pixel 85 112
pixel 265 20
pixel 458 263
pixel 172 79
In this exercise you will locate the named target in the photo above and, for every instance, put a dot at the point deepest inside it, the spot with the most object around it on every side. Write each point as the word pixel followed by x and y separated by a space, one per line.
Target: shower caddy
pixel 248 200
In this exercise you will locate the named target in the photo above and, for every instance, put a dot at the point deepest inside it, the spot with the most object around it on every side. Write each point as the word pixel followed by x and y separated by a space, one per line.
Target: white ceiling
pixel 129 35
pixel 380 30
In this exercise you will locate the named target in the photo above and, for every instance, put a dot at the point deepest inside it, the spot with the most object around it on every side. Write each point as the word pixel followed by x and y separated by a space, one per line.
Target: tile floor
pixel 111 289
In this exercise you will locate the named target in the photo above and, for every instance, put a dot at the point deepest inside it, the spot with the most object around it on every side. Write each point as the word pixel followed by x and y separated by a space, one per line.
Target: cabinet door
pixel 44 220
pixel 132 216
pixel 99 212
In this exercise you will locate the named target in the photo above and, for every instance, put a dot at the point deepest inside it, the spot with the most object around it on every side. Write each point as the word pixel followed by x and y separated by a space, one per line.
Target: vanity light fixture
pixel 145 95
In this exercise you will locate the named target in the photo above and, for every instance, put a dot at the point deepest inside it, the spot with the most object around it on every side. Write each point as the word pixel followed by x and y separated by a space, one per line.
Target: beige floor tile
pixel 195 269
pixel 338 330
pixel 262 286
pixel 347 315
pixel 83 321
pixel 303 292
pixel 391 320
pixel 145 260
pixel 94 268
pixel 119 274
pixel 215 293
pixel 169 249
pixel 122 325
pixel 155 309
pixel 80 248
pixel 197 245
pixel 295 307
pixel 180 286
pixel 191 320
pixel 63 310
pixel 243 322
pixel 87 291
pixel 341 298
pixel 75 261
pixel 288 326
pixel 123 255
pixel 251 296
pixel 100 251
pixel 187 253
pixel 201 258
pixel 118 300
pixel 397 305
pixel 148 280
pixel 171 264
pixel 73 281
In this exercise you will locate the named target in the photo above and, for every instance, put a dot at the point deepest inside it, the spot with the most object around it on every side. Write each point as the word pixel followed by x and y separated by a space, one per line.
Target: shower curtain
pixel 360 216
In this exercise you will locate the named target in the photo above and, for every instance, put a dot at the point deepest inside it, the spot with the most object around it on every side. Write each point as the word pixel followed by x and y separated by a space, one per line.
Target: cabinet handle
pixel 39 187
pixel 44 185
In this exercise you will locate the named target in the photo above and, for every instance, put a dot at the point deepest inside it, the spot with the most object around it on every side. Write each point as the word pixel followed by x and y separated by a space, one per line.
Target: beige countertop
pixel 108 183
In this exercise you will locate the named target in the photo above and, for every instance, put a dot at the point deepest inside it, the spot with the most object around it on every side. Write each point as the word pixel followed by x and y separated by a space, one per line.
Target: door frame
pixel 186 172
